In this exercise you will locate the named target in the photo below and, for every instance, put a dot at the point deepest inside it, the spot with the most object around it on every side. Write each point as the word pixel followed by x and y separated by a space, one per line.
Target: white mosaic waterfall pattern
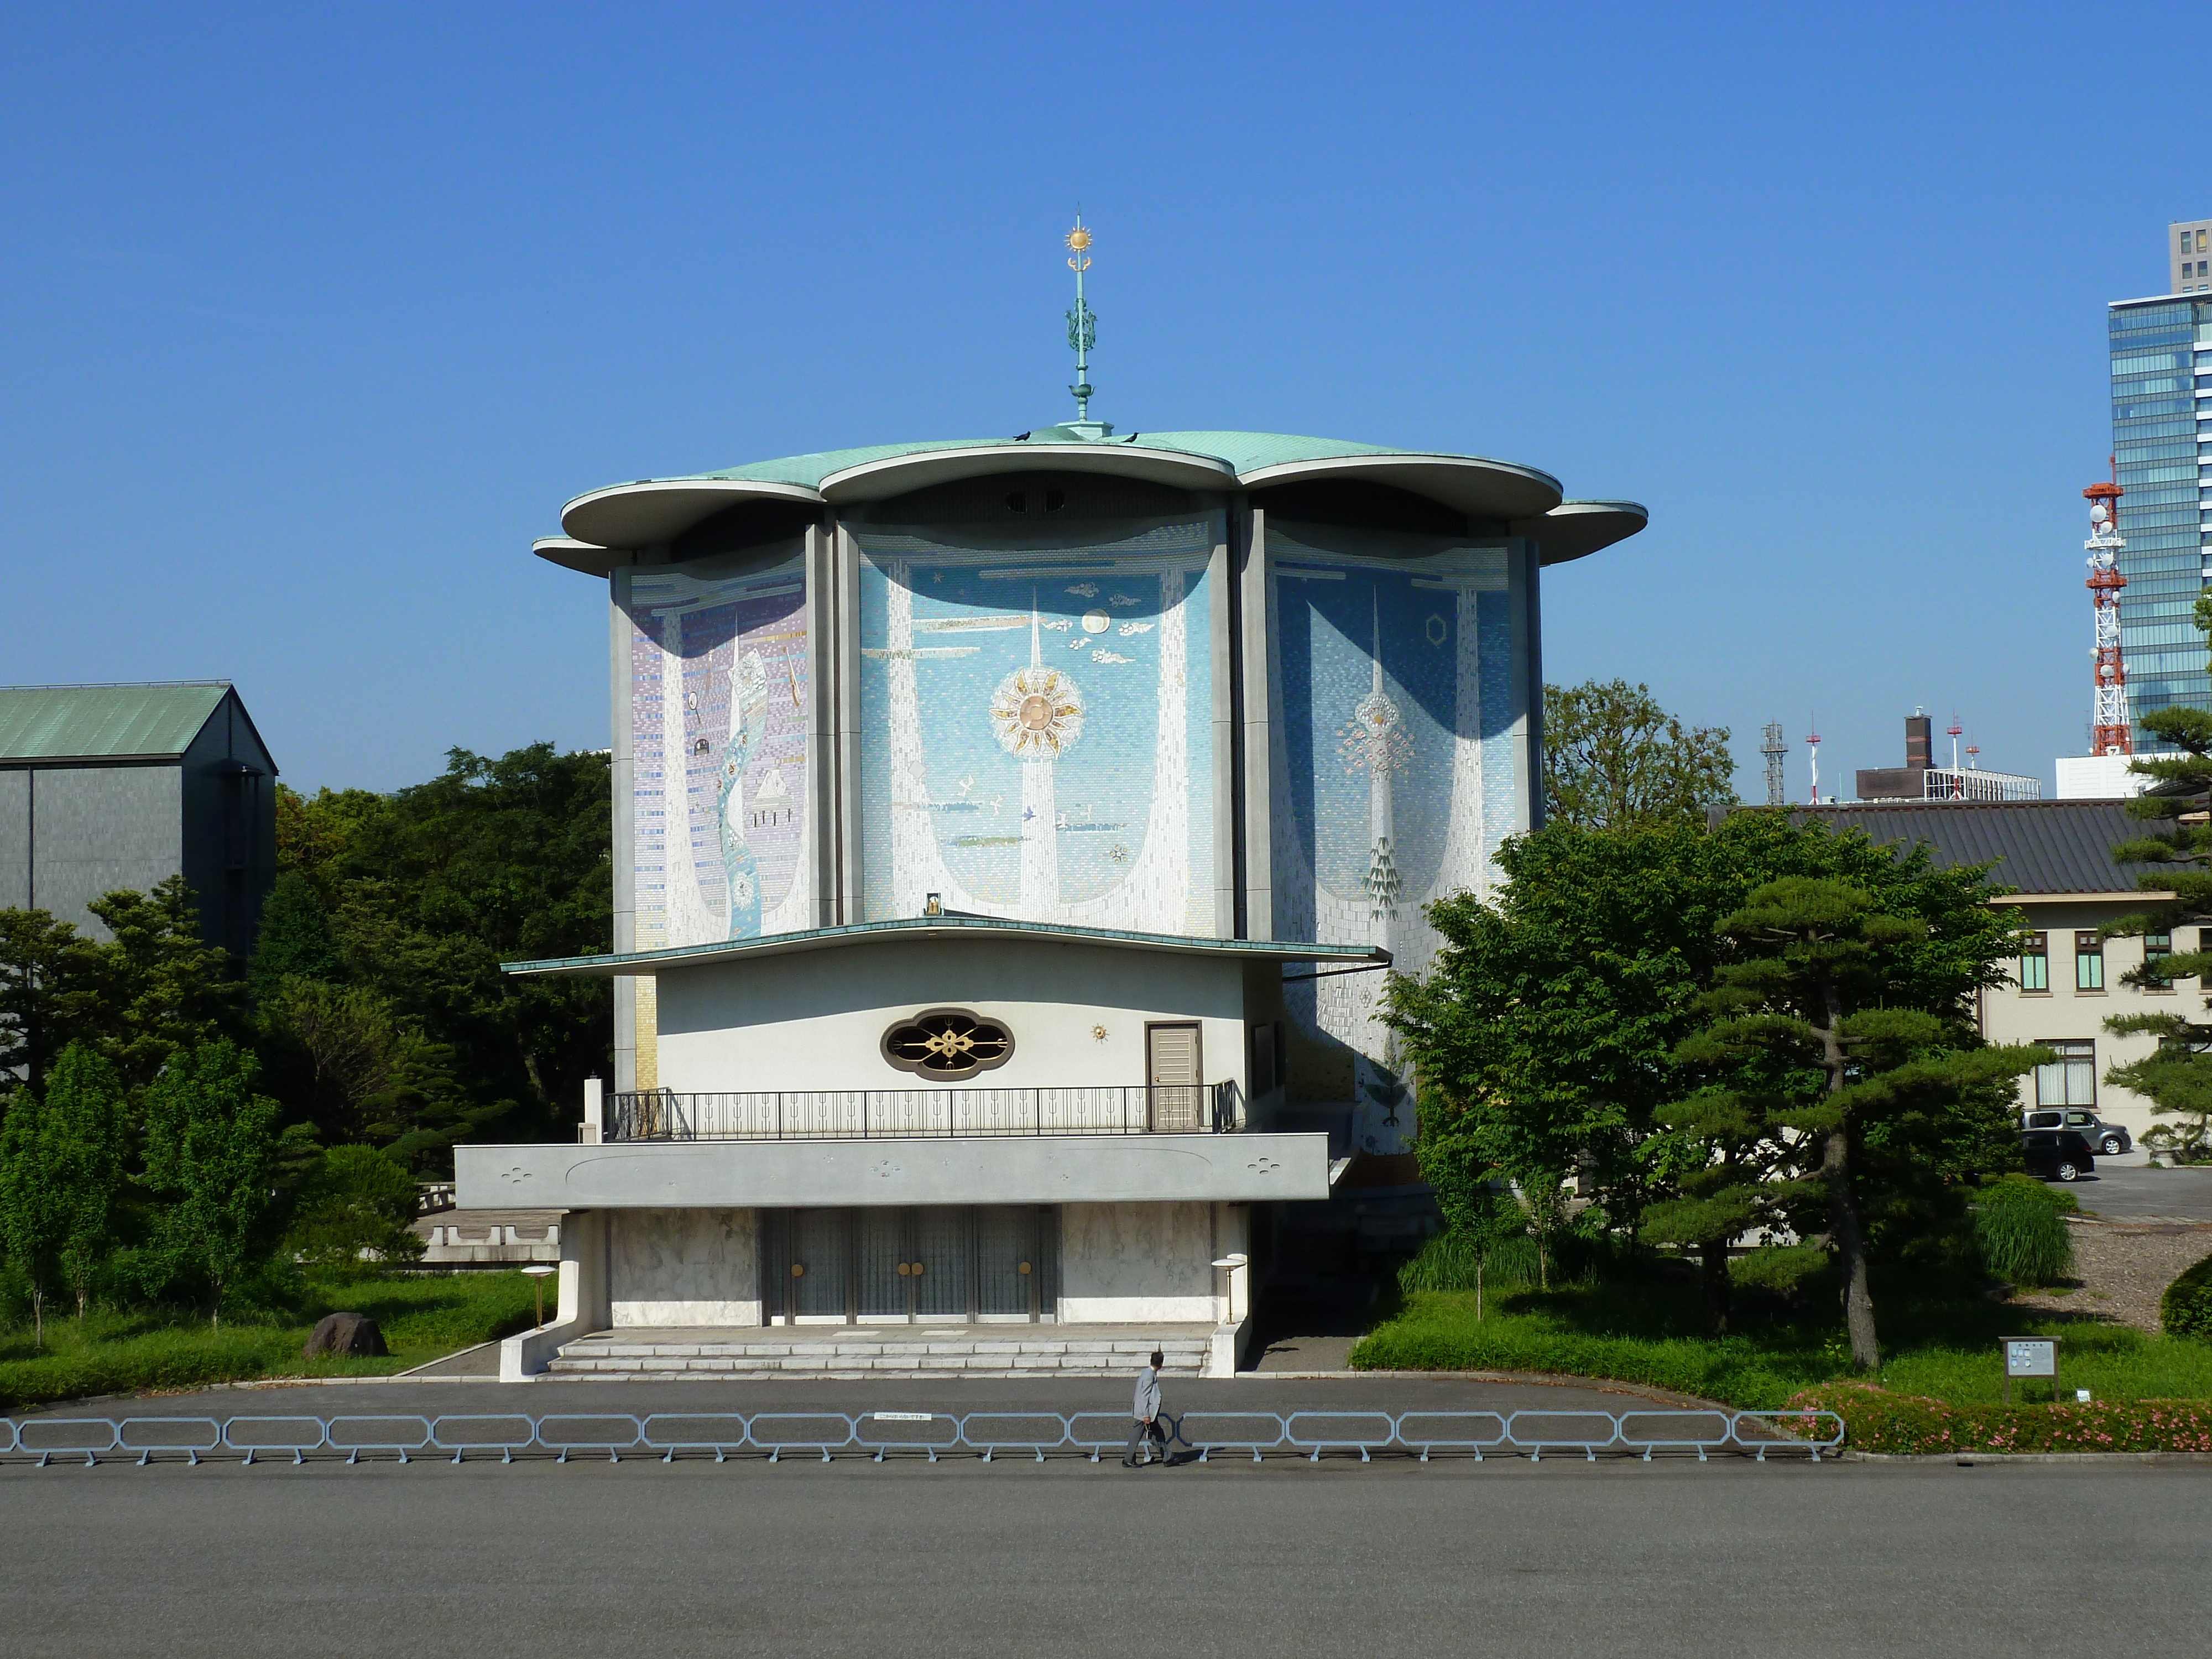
pixel 1452 778
pixel 1101 769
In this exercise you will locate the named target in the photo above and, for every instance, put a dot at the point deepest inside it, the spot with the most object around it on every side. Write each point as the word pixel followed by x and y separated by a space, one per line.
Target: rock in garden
pixel 350 1334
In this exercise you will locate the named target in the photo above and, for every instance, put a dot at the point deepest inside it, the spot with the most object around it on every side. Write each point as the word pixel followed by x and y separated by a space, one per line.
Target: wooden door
pixel 1173 1077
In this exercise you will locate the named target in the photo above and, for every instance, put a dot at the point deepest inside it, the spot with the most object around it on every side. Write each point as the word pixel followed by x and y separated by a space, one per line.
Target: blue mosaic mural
pixel 1393 779
pixel 1037 727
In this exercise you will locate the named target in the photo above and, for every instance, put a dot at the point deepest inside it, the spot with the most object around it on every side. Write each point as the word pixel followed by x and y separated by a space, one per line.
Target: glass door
pixel 883 1265
pixel 818 1265
pixel 938 1264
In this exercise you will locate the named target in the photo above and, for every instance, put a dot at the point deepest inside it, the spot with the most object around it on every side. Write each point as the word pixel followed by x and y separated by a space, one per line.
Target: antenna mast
pixel 1776 752
pixel 1081 321
pixel 1812 740
pixel 2112 732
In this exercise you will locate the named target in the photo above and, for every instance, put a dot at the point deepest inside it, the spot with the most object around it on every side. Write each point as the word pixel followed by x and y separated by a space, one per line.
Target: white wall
pixel 683 1267
pixel 1127 1263
pixel 816 1019
pixel 2011 1015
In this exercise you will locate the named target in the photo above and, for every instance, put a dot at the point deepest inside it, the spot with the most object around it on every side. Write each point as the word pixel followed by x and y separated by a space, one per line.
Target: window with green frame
pixel 2035 962
pixel 2157 947
pixel 2088 962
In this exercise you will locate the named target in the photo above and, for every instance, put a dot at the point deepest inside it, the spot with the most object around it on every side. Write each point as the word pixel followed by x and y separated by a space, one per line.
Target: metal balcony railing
pixel 924 1114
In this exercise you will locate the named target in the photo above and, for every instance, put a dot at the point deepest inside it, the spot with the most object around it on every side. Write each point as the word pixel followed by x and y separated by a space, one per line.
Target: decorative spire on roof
pixel 1081 321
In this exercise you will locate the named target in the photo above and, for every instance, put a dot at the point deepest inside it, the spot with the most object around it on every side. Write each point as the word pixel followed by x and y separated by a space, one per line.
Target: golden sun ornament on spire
pixel 1079 241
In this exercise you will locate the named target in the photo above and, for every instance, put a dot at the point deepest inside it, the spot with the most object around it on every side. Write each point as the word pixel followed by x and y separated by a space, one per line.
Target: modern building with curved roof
pixel 1012 839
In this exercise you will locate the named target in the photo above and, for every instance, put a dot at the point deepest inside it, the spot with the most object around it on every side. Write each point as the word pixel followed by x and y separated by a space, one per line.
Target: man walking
pixel 1148 1413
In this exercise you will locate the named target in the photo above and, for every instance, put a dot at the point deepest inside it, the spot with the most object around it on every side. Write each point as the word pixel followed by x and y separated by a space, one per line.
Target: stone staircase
pixel 857 1351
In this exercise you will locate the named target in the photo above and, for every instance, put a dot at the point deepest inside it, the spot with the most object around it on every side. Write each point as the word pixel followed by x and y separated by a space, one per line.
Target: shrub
pixel 1447 1262
pixel 2185 1309
pixel 2020 1229
pixel 1876 1420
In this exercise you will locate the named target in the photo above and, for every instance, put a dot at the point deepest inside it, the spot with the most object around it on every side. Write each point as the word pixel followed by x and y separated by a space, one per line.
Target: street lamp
pixel 537 1276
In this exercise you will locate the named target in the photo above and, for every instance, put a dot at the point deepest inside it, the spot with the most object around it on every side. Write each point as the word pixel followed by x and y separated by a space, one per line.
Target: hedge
pixel 2185 1309
pixel 1876 1420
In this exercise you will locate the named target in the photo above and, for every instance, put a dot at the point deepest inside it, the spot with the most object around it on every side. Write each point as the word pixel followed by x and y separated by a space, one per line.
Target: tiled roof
pixel 107 722
pixel 2037 845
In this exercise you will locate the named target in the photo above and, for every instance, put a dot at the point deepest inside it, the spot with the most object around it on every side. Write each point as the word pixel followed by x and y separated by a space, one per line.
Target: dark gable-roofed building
pixel 2057 855
pixel 109 787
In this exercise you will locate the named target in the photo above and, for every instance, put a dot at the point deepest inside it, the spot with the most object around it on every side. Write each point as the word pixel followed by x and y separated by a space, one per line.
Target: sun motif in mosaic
pixel 1037 714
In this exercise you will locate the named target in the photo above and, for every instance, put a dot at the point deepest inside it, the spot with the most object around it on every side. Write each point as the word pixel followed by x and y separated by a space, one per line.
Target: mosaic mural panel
pixel 718 729
pixel 1392 774
pixel 1037 727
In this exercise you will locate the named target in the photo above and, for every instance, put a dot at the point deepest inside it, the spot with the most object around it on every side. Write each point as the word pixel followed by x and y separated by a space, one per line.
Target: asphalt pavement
pixel 2128 1191
pixel 1559 1559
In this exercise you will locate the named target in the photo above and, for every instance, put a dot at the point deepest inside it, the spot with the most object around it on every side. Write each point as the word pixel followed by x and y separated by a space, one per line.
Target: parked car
pixel 2110 1139
pixel 2058 1154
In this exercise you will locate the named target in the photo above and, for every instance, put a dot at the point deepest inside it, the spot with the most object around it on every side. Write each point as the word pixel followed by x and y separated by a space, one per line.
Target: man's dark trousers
pixel 1139 1431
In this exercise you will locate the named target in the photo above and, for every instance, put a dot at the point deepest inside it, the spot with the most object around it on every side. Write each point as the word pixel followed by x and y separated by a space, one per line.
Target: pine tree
pixel 295 940
pixel 1821 992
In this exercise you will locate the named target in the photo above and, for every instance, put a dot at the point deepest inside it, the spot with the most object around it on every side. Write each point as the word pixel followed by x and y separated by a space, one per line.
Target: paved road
pixel 1558 1559
pixel 2120 1192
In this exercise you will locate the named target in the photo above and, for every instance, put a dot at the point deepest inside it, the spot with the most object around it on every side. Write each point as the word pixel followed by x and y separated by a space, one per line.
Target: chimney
pixel 1919 741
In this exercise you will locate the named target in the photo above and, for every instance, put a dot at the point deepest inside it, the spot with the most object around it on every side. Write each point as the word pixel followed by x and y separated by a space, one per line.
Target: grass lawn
pixel 421 1316
pixel 1944 1347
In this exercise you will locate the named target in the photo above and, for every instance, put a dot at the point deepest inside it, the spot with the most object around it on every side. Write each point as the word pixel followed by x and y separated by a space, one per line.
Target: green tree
pixel 1552 1032
pixel 84 1116
pixel 342 1058
pixel 210 1150
pixel 1847 1000
pixel 1736 1183
pixel 295 940
pixel 34 1201
pixel 2175 1077
pixel 1613 759
pixel 355 1205
pixel 429 889
pixel 53 985
pixel 166 990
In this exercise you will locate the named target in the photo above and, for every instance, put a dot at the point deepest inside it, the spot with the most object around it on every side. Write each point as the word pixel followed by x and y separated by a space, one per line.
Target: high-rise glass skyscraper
pixel 2161 352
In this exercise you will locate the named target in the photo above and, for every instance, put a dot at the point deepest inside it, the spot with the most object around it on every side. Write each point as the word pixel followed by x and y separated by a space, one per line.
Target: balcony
pixel 923 1113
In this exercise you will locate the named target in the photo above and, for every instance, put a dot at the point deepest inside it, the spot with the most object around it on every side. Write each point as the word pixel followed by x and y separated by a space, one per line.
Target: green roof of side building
pixel 105 722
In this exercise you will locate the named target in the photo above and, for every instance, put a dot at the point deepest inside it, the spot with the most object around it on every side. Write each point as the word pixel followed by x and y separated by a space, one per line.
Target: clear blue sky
pixel 312 319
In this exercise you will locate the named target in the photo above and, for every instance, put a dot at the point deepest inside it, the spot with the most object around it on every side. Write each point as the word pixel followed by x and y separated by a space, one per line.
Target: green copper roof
pixel 816 939
pixel 71 722
pixel 1243 451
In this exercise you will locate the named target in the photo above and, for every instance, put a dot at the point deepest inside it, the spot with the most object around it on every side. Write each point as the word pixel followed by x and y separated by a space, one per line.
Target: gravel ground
pixel 2122 1268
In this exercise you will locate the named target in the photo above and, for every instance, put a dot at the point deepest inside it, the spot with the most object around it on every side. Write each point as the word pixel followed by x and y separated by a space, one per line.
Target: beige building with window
pixel 2057 855
pixel 2189 256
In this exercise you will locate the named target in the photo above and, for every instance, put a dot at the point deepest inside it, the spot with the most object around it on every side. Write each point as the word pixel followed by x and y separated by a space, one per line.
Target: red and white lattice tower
pixel 2113 733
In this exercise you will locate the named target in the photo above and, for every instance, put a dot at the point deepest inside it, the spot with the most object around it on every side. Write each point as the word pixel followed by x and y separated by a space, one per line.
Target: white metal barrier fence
pixel 667 1435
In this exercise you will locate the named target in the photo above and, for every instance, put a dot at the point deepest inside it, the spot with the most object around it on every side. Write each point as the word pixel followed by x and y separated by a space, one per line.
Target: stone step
pixel 909 1352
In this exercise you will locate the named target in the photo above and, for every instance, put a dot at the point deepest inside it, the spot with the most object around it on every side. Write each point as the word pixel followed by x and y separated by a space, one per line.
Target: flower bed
pixel 1877 1420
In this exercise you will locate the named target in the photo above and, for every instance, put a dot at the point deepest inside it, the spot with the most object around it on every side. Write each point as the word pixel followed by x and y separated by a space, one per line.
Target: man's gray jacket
pixel 1148 1394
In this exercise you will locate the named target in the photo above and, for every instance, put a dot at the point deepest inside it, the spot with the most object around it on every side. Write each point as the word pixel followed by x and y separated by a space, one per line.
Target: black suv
pixel 2110 1139
pixel 2058 1154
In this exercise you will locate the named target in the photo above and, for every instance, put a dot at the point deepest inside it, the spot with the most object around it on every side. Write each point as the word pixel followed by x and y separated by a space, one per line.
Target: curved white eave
pixel 1574 529
pixel 654 512
pixel 873 481
pixel 588 557
pixel 1480 488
